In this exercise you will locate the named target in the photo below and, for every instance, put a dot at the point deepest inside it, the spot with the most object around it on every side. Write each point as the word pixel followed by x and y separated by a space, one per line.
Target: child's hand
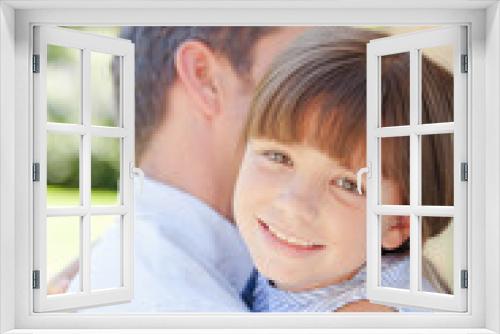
pixel 364 306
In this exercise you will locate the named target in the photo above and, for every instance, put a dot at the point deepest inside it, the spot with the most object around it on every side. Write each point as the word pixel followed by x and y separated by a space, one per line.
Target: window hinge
pixel 36 172
pixel 36 63
pixel 465 64
pixel 464 279
pixel 36 279
pixel 464 168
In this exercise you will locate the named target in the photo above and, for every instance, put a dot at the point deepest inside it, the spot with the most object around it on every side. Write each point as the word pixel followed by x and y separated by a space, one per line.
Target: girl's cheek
pixel 252 186
pixel 264 175
pixel 347 224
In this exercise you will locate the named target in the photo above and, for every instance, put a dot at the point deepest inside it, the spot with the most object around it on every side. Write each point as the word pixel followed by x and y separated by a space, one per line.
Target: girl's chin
pixel 284 277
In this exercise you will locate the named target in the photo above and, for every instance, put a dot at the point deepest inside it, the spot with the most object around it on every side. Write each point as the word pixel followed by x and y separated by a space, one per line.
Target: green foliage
pixel 63 106
pixel 62 232
pixel 66 196
pixel 59 55
pixel 105 173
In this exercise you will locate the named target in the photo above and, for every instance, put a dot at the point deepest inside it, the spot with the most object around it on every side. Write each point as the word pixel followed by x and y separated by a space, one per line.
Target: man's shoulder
pixel 166 277
pixel 170 271
pixel 186 256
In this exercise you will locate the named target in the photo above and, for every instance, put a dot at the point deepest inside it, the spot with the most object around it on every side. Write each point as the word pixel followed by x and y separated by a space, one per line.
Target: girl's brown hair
pixel 315 93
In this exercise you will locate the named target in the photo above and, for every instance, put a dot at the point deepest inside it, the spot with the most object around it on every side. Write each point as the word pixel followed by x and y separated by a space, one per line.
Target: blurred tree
pixel 63 107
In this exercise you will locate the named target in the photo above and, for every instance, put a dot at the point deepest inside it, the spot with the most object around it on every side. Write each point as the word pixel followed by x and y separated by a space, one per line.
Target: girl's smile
pixel 283 242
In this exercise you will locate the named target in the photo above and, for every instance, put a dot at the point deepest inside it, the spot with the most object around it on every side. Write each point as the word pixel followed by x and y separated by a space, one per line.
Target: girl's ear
pixel 196 65
pixel 395 231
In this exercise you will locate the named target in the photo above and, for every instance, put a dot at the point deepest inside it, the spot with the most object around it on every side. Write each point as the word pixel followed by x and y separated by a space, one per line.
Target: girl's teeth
pixel 288 239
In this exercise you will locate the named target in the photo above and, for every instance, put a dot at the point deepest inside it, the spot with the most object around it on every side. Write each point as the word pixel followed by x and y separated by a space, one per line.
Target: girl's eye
pixel 346 184
pixel 278 157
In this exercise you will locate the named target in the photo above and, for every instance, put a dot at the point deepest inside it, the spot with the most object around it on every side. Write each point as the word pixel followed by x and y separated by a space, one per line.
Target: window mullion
pixel 460 155
pixel 420 129
pixel 40 188
pixel 86 176
pixel 419 210
pixel 415 250
pixel 101 131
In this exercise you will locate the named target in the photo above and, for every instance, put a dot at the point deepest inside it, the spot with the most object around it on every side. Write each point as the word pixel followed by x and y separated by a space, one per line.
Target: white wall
pixel 6 168
pixel 8 188
pixel 492 213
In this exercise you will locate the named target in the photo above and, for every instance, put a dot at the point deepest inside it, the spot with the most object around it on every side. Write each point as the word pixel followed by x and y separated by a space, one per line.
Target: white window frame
pixel 483 17
pixel 124 131
pixel 412 44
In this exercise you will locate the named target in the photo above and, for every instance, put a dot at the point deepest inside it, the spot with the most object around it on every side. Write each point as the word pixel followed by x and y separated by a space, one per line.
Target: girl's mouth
pixel 286 241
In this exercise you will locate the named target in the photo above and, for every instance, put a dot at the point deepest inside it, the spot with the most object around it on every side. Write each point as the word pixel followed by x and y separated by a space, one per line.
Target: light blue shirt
pixel 395 273
pixel 187 257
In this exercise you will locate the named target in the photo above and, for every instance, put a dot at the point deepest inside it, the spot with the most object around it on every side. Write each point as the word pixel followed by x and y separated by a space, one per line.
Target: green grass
pixel 63 196
pixel 63 233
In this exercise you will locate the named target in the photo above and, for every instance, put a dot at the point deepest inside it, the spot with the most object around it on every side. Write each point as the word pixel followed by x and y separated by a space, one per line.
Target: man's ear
pixel 195 65
pixel 396 230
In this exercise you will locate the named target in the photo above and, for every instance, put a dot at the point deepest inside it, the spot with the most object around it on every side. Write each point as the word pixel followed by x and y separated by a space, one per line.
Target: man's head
pixel 156 50
pixel 193 90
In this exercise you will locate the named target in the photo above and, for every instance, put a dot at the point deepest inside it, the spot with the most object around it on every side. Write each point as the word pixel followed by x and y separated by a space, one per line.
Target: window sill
pixel 255 331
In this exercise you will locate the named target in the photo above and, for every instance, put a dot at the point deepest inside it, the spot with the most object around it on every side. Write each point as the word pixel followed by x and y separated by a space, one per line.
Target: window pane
pixel 105 232
pixel 104 89
pixel 395 171
pixel 437 169
pixel 63 169
pixel 395 258
pixel 437 84
pixel 64 86
pixel 437 261
pixel 63 252
pixel 105 171
pixel 395 89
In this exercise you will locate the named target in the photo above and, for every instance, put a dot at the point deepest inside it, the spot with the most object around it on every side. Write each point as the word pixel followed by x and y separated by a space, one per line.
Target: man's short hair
pixel 155 49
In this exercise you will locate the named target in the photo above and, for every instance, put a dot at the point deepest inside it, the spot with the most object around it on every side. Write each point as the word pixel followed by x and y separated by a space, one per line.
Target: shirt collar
pixel 158 197
pixel 268 298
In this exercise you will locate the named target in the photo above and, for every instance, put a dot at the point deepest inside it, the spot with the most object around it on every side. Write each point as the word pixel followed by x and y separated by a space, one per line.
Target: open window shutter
pixel 419 132
pixel 81 135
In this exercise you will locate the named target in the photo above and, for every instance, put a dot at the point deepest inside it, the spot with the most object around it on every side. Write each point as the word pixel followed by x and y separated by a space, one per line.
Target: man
pixel 193 89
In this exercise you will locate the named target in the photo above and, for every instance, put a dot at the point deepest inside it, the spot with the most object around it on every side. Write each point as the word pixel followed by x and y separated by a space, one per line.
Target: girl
pixel 295 200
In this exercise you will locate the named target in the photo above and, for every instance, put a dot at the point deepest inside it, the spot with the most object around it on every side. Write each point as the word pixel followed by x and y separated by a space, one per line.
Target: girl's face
pixel 300 215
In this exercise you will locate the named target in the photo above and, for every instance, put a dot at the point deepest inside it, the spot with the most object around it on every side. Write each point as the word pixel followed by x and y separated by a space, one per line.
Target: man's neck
pixel 188 166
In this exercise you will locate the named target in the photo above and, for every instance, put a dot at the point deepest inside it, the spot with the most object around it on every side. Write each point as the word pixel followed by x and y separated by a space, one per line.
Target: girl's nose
pixel 299 202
